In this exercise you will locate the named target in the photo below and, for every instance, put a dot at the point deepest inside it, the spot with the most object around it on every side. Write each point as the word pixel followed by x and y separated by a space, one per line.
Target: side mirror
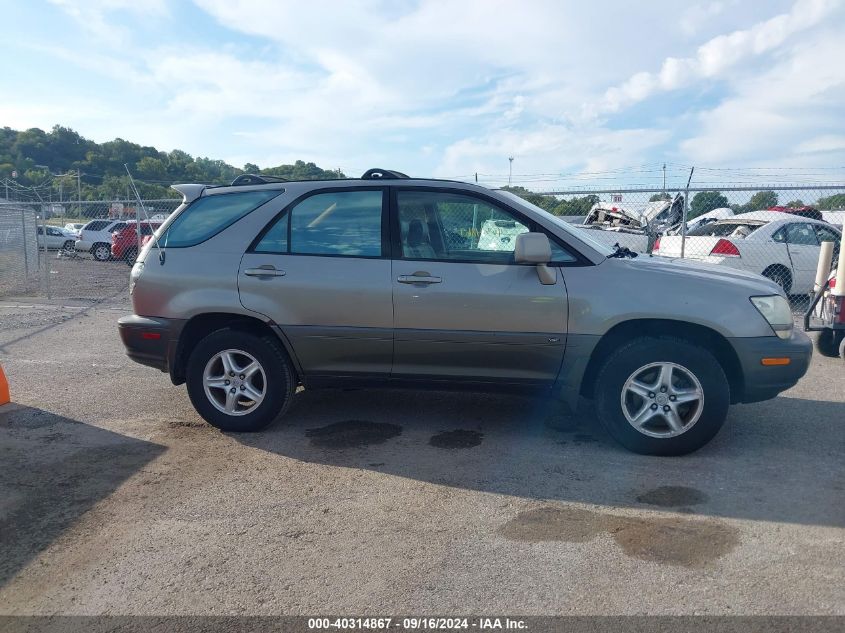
pixel 534 248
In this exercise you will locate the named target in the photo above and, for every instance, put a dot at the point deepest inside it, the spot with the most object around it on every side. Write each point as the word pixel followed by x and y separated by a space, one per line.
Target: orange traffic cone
pixel 4 388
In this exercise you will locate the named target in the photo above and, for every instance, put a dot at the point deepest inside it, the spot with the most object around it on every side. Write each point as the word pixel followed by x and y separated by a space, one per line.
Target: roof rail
pixel 383 174
pixel 254 179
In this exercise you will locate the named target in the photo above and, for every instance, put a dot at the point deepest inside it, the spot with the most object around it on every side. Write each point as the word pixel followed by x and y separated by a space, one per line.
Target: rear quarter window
pixel 206 217
pixel 97 225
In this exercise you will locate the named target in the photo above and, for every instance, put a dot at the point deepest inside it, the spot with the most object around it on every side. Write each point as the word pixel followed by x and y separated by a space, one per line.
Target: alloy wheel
pixel 234 382
pixel 662 399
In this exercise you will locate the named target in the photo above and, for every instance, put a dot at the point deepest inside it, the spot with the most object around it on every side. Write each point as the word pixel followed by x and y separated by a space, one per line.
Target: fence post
pixel 23 241
pixel 686 214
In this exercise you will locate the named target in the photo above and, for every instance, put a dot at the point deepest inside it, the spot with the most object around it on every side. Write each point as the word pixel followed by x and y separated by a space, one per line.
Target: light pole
pixel 510 169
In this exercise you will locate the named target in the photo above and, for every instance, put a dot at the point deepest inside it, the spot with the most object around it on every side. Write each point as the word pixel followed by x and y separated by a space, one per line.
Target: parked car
pixel 74 227
pixel 56 238
pixel 95 238
pixel 783 247
pixel 612 224
pixel 250 290
pixel 804 212
pixel 124 244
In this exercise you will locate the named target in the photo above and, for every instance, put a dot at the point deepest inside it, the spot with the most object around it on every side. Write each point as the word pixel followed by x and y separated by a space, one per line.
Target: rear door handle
pixel 264 271
pixel 419 277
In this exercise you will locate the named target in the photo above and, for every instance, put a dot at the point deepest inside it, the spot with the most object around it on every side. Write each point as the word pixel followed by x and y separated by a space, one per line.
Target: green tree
pixel 795 204
pixel 660 196
pixel 762 200
pixel 705 201
pixel 251 168
pixel 836 201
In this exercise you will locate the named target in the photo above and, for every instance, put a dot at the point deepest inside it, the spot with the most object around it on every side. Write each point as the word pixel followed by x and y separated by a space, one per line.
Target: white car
pixel 95 238
pixel 56 238
pixel 783 247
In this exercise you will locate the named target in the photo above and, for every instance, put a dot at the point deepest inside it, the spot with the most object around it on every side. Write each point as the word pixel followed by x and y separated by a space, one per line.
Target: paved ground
pixel 115 498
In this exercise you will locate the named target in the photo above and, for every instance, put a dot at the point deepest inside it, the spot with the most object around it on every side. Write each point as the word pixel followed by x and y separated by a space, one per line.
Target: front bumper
pixel 762 382
pixel 151 341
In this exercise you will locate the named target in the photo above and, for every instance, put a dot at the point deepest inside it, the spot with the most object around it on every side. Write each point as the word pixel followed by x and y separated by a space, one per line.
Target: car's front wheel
pixel 238 381
pixel 67 247
pixel 661 396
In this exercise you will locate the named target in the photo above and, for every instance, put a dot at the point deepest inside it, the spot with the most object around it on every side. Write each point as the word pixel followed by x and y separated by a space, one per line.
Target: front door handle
pixel 419 277
pixel 264 271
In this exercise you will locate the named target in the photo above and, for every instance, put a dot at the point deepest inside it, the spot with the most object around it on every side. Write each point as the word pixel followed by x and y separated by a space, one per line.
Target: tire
pixel 842 349
pixel 781 276
pixel 829 341
pixel 130 255
pixel 641 360
pixel 101 252
pixel 275 374
pixel 68 247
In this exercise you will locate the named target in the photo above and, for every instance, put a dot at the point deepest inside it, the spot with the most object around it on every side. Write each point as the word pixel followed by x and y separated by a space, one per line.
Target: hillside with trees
pixel 39 165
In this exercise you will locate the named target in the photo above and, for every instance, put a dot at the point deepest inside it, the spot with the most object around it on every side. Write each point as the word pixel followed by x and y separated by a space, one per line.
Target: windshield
pixel 582 236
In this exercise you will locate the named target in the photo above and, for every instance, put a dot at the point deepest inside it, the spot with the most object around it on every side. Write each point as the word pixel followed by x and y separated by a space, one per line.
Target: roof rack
pixel 254 179
pixel 383 174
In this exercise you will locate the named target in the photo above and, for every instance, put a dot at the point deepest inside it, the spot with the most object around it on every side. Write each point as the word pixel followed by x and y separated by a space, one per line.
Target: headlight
pixel 775 309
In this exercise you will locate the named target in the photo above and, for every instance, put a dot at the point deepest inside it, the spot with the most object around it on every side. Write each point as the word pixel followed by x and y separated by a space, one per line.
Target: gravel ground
pixel 115 498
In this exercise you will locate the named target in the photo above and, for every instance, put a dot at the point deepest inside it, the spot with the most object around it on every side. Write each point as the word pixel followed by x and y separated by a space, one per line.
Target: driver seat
pixel 417 244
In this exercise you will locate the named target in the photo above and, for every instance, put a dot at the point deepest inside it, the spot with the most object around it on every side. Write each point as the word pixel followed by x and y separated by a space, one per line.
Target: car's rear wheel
pixel 238 381
pixel 660 396
pixel 67 247
pixel 829 342
pixel 101 252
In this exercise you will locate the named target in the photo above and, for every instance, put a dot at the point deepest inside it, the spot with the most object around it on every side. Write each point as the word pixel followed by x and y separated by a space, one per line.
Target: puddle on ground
pixel 672 496
pixel 458 438
pixel 352 434
pixel 670 541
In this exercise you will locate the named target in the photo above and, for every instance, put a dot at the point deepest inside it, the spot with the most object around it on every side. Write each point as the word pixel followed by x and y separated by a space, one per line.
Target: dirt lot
pixel 115 498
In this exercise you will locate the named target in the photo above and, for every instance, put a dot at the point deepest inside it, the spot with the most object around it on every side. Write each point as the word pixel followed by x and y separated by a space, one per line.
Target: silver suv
pixel 250 290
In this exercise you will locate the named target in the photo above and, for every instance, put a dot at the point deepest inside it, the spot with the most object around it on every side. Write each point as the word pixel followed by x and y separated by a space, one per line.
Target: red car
pixel 124 243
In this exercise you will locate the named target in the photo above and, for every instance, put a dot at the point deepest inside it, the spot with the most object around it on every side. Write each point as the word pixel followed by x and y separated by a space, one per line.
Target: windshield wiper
pixel 622 251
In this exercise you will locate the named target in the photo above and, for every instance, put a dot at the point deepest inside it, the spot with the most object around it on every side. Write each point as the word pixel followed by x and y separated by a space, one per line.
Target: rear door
pixel 320 270
pixel 803 248
pixel 463 310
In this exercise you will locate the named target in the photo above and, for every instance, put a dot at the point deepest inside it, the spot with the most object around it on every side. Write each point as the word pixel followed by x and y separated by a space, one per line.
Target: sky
pixel 603 91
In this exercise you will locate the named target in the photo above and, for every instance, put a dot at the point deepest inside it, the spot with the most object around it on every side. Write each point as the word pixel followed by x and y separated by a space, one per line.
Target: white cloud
pixel 718 55
pixel 781 115
pixel 451 87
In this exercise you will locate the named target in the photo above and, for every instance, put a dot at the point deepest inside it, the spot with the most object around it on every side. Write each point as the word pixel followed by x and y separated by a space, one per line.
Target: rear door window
pixel 97 225
pixel 207 216
pixel 345 223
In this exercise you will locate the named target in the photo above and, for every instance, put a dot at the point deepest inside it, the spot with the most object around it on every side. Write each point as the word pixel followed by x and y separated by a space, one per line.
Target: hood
pixel 693 270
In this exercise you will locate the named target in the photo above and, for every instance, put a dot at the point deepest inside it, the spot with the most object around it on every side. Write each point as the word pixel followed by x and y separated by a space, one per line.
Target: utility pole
pixel 664 178
pixel 79 191
pixel 510 169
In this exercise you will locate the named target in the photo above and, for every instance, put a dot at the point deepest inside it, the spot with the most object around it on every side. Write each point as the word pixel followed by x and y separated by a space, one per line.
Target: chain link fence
pixel 40 253
pixel 771 231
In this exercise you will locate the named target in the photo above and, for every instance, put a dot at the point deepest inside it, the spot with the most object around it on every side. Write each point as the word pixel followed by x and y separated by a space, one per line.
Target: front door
pixel 462 309
pixel 319 270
